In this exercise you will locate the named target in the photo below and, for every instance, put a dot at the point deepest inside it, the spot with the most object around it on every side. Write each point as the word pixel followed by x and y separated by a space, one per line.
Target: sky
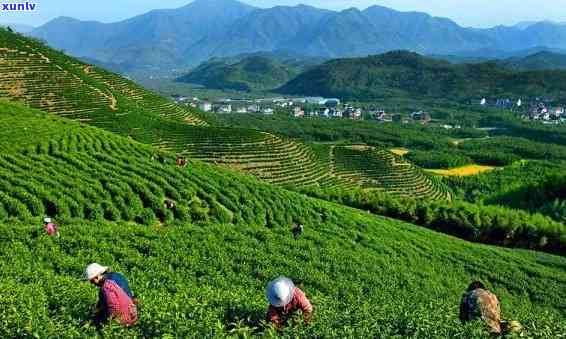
pixel 469 13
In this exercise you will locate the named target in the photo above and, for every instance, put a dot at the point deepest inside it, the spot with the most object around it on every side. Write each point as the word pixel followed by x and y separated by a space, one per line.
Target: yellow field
pixel 399 151
pixel 462 171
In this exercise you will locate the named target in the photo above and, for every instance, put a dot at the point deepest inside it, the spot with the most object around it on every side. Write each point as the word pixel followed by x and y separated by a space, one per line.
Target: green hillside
pixel 200 269
pixel 42 78
pixel 47 79
pixel 251 73
pixel 544 60
pixel 409 75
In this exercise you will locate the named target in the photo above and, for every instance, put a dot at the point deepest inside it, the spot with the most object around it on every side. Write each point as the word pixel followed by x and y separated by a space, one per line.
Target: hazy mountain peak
pixel 207 28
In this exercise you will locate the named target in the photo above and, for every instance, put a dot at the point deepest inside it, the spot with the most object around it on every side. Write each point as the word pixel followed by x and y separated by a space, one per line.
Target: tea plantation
pixel 199 243
pixel 200 268
pixel 40 77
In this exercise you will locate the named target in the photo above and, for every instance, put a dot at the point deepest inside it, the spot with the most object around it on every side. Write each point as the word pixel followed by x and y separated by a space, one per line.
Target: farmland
pixel 199 243
pixel 463 171
pixel 49 80
pixel 200 268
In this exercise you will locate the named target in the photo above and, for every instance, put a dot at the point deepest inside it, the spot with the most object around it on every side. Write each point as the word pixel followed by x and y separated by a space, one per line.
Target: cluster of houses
pixel 328 108
pixel 534 109
pixel 330 111
pixel 502 103
pixel 541 112
pixel 421 117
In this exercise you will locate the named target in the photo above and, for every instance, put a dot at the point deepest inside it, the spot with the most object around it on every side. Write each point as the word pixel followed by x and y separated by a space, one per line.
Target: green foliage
pixel 435 160
pixel 478 223
pixel 209 279
pixel 251 73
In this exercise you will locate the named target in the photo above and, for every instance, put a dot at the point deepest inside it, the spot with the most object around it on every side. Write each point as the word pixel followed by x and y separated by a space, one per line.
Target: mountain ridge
pixel 189 35
pixel 408 74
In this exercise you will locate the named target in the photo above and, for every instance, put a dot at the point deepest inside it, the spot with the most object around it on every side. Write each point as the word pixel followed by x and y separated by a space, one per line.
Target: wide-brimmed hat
pixel 280 291
pixel 94 270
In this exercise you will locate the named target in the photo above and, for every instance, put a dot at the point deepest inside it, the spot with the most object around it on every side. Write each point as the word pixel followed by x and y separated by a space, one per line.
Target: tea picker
pixel 298 230
pixel 115 299
pixel 50 227
pixel 480 304
pixel 285 299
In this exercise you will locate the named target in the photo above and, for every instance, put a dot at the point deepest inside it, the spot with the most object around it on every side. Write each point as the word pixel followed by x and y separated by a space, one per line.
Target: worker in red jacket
pixel 115 299
pixel 285 299
pixel 50 227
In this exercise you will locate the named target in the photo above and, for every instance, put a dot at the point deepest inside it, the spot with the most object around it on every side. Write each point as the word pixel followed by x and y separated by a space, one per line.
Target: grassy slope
pixel 367 276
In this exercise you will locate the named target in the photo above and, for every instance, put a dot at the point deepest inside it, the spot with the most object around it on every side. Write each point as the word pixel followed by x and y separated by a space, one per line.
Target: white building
pixel 225 108
pixel 205 106
pixel 253 108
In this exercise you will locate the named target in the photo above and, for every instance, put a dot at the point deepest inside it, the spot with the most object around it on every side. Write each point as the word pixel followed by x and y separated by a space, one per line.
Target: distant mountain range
pixel 403 74
pixel 248 72
pixel 178 38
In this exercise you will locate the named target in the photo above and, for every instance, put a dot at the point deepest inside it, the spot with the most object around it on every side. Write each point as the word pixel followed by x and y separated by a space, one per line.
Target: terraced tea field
pixel 43 78
pixel 83 173
pixel 46 79
pixel 200 265
pixel 200 268
pixel 374 168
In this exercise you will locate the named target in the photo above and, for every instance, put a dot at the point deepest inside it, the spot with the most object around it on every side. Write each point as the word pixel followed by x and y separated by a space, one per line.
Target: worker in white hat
pixel 285 299
pixel 115 299
pixel 50 227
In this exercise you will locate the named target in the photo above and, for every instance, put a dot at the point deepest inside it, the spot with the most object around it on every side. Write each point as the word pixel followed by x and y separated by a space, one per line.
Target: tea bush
pixel 366 276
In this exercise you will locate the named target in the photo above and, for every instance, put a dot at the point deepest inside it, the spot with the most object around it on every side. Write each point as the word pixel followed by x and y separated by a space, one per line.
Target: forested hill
pixel 543 60
pixel 251 73
pixel 409 74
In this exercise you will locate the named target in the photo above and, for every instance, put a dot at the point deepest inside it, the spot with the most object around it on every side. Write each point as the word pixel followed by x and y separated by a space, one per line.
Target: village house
pixel 335 113
pixel 331 103
pixel 298 112
pixel 352 113
pixel 421 116
pixel 324 112
pixel 380 115
pixel 224 108
pixel 205 106
pixel 253 108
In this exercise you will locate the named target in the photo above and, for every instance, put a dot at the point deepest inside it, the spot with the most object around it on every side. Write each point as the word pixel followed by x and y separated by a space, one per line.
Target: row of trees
pixel 474 222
